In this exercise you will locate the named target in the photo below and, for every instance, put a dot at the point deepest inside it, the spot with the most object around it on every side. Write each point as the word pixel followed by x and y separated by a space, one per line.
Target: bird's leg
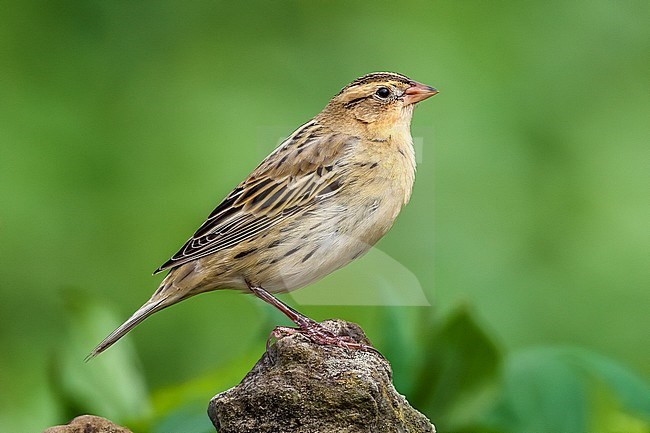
pixel 306 326
pixel 296 317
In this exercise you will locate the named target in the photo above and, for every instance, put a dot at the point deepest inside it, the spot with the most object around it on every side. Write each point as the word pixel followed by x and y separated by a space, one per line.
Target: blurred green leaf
pixel 541 393
pixel 191 418
pixel 111 385
pixel 627 387
pixel 202 388
pixel 456 381
pixel 182 408
pixel 400 343
pixel 608 415
pixel 553 388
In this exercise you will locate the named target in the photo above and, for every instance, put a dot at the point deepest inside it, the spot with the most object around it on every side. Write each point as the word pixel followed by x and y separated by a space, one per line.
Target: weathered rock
pixel 88 424
pixel 299 386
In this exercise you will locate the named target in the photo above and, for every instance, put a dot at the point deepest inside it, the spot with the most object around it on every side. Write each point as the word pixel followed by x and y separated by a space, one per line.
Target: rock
pixel 88 424
pixel 299 386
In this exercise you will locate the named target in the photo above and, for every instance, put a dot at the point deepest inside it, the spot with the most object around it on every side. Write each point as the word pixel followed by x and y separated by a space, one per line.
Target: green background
pixel 122 124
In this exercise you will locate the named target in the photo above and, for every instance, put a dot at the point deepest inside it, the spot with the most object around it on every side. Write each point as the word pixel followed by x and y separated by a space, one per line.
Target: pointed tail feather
pixel 143 312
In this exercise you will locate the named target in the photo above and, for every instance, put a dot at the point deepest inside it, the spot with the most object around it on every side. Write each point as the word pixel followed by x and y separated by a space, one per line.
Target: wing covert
pixel 291 180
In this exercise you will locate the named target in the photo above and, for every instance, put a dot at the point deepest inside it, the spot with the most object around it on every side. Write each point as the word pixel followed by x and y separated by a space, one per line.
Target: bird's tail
pixel 150 307
pixel 175 287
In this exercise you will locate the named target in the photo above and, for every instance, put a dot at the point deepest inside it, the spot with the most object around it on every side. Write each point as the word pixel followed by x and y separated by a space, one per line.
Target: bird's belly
pixel 327 241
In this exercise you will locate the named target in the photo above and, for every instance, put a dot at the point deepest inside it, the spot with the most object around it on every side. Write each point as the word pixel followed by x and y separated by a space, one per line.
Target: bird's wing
pixel 294 177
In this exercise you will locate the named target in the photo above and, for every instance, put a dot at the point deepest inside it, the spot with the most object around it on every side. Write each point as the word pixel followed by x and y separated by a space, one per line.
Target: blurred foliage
pixel 459 377
pixel 113 385
pixel 122 124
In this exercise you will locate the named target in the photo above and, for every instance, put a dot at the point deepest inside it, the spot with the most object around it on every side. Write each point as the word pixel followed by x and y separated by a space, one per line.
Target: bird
pixel 320 200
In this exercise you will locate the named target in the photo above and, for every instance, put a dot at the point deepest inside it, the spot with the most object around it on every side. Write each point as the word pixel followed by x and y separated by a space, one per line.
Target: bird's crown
pixel 378 77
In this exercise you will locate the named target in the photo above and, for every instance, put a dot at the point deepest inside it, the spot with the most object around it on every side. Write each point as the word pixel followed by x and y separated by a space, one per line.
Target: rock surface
pixel 88 424
pixel 299 386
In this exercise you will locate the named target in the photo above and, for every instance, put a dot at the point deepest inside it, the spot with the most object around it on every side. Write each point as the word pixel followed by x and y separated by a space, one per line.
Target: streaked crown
pixel 378 77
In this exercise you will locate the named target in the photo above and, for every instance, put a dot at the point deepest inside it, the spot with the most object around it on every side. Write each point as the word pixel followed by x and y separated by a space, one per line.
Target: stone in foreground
pixel 88 424
pixel 299 386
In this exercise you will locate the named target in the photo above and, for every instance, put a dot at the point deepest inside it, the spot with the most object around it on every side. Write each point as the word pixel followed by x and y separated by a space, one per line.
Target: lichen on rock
pixel 300 386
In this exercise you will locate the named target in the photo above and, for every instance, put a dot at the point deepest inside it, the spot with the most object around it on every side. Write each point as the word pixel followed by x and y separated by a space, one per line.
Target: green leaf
pixel 183 407
pixel 399 342
pixel 111 385
pixel 569 390
pixel 541 393
pixel 608 415
pixel 456 381
pixel 187 418
pixel 628 388
pixel 202 388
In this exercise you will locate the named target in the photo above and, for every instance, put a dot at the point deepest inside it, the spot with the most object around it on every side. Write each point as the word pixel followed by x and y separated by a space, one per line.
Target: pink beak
pixel 418 92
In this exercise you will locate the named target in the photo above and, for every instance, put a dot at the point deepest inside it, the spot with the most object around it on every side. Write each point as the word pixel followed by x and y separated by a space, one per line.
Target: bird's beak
pixel 418 92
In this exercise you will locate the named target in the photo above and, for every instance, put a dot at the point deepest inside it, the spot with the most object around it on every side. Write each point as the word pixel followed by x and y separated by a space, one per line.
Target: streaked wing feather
pixel 291 180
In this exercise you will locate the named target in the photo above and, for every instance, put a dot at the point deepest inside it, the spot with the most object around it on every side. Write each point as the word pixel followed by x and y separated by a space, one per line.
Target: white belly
pixel 343 235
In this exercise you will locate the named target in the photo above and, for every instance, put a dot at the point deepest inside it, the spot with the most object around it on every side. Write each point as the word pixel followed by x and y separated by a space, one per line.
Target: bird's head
pixel 376 104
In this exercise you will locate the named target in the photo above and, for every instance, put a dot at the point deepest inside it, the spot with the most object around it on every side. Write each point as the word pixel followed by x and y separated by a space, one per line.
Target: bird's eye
pixel 383 92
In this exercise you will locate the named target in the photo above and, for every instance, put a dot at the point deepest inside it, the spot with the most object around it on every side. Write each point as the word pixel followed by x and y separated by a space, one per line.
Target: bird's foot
pixel 318 334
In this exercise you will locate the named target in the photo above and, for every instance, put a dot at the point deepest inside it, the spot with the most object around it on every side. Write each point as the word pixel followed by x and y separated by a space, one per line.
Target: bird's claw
pixel 319 335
